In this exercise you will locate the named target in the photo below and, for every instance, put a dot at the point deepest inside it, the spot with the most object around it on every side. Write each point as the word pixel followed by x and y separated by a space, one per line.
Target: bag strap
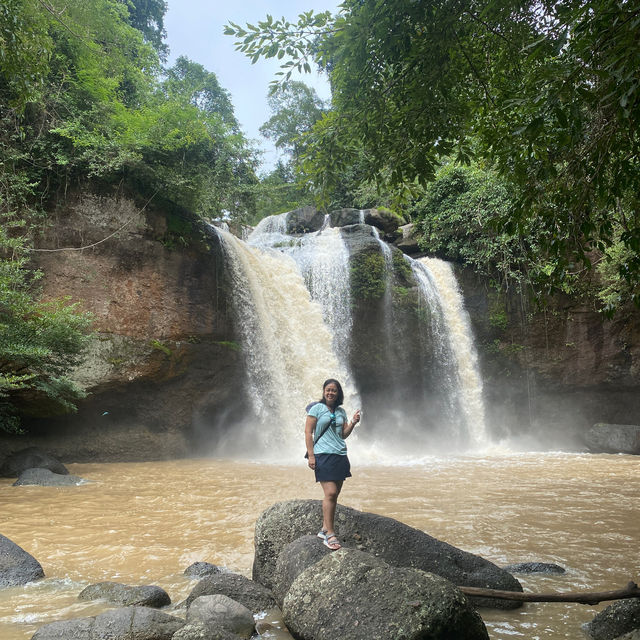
pixel 324 430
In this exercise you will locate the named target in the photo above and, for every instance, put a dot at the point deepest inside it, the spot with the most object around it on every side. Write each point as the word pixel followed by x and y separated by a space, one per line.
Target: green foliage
pixel 549 93
pixel 368 281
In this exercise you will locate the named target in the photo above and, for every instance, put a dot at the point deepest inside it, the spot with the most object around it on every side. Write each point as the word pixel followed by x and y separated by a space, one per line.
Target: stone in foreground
pixel 127 623
pixel 396 543
pixel 17 567
pixel 201 569
pixel 125 595
pixel 252 595
pixel 353 595
pixel 220 612
pixel 619 618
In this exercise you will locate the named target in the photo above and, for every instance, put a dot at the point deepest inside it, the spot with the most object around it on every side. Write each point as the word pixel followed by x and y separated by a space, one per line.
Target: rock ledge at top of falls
pixel 398 544
pixel 309 219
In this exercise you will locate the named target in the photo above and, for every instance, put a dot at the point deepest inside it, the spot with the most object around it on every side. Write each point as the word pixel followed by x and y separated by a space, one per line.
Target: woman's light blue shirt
pixel 331 440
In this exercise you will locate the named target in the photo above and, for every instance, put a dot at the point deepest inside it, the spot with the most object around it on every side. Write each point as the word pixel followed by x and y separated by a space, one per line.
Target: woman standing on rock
pixel 325 432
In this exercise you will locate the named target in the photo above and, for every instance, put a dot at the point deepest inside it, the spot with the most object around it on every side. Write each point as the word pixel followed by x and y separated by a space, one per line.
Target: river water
pixel 144 523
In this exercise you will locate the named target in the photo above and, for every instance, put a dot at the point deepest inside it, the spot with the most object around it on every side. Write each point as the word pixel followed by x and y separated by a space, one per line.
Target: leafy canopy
pixel 548 92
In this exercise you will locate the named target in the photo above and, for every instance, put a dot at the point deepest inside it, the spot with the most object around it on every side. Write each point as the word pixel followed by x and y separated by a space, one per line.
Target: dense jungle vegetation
pixel 84 97
pixel 506 131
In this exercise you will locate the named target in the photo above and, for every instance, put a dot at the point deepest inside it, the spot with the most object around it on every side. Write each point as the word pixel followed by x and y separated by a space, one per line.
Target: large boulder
pixel 221 612
pixel 351 594
pixel 252 595
pixel 30 458
pixel 619 618
pixel 614 438
pixel 127 623
pixel 293 560
pixel 201 631
pixel 125 595
pixel 344 217
pixel 408 241
pixel 17 567
pixel 384 219
pixel 46 478
pixel 394 542
pixel 304 220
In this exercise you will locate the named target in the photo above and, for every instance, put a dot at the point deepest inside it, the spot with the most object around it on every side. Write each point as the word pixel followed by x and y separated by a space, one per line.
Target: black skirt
pixel 331 467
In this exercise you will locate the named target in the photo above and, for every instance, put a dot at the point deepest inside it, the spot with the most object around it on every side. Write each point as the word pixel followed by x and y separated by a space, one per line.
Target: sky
pixel 195 29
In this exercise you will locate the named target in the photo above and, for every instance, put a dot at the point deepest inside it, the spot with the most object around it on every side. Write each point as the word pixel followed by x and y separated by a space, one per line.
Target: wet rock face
pixel 17 567
pixel 30 458
pixel 351 594
pixel 394 542
pixel 614 438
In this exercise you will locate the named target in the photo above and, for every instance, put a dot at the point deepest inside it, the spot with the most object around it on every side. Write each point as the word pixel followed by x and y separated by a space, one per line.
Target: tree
pixel 296 108
pixel 549 92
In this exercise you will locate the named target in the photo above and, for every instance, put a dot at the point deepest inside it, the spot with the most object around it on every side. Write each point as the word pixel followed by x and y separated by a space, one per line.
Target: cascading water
pixel 462 377
pixel 323 261
pixel 295 315
pixel 286 346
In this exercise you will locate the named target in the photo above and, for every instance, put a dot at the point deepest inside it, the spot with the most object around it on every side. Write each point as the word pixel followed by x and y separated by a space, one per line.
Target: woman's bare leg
pixel 329 502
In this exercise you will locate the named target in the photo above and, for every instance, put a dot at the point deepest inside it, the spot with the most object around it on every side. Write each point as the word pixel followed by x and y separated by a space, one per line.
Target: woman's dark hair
pixel 339 397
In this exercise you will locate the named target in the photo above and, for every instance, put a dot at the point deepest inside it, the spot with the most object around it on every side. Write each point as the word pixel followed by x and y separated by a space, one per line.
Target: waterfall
pixel 293 307
pixel 323 261
pixel 286 345
pixel 467 386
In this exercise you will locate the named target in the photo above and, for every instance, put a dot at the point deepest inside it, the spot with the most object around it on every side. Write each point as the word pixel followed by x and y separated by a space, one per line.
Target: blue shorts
pixel 331 467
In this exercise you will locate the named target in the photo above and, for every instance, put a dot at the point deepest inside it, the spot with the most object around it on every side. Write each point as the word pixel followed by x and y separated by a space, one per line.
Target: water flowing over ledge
pixel 295 311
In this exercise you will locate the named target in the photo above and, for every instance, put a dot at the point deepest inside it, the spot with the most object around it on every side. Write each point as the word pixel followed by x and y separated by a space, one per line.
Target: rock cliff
pixel 164 361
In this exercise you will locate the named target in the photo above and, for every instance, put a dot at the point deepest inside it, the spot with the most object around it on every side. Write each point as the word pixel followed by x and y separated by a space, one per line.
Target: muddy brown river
pixel 144 523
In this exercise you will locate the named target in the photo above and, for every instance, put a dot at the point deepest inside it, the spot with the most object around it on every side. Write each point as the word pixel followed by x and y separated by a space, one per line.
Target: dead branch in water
pixel 585 597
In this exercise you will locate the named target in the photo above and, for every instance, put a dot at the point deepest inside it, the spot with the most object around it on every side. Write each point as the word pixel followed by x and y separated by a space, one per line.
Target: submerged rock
pixel 30 458
pixel 534 567
pixel 221 612
pixel 125 595
pixel 351 594
pixel 619 618
pixel 614 438
pixel 127 623
pixel 252 595
pixel 396 543
pixel 17 567
pixel 46 478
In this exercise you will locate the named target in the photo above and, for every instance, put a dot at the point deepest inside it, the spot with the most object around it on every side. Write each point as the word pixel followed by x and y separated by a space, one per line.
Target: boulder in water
pixel 396 543
pixel 252 595
pixel 17 567
pixel 125 595
pixel 534 567
pixel 221 612
pixel 351 594
pixel 408 241
pixel 614 438
pixel 384 219
pixel 46 478
pixel 201 569
pixel 617 619
pixel 30 458
pixel 127 623
pixel 345 217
